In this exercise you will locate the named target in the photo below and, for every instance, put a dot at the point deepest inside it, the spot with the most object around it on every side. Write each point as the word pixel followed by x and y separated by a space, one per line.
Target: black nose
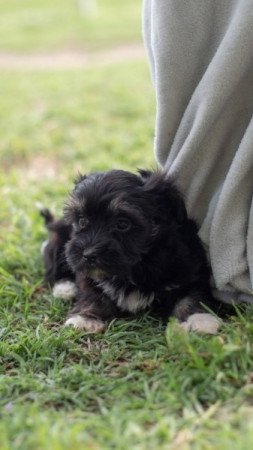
pixel 89 257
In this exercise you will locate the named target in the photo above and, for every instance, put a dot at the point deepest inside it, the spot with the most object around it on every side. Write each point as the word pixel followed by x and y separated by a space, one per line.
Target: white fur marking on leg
pixel 43 246
pixel 65 290
pixel 84 323
pixel 202 322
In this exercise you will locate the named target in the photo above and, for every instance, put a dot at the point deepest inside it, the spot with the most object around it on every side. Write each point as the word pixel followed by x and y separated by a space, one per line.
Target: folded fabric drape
pixel 201 59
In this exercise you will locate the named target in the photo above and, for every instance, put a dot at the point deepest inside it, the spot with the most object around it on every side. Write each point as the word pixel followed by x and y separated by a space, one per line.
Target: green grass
pixel 50 25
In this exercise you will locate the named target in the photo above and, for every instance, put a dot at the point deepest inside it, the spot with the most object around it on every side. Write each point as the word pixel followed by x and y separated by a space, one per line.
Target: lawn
pixel 137 386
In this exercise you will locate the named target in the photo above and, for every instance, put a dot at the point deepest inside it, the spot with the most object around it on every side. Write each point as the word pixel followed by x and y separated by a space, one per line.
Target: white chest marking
pixel 133 302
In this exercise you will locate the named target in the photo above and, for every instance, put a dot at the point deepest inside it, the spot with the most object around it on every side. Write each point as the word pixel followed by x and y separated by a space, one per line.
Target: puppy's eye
pixel 83 222
pixel 123 225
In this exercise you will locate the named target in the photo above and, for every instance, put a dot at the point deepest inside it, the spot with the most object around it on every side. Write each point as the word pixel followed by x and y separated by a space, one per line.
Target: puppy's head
pixel 117 217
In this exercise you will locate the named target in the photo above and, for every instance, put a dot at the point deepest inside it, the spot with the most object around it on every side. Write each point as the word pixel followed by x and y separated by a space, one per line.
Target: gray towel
pixel 201 58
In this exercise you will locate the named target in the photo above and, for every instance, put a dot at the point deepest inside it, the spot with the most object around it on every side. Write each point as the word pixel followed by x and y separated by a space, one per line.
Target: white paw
pixel 65 290
pixel 85 323
pixel 43 246
pixel 202 322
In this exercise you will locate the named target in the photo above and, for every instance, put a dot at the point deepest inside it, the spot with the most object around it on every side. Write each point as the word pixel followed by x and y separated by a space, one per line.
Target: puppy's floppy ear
pixel 165 195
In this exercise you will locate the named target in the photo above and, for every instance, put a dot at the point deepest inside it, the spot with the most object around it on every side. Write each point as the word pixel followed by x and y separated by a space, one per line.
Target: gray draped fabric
pixel 201 58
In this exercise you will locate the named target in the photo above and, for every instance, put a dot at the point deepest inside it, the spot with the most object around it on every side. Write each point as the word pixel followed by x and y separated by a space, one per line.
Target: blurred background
pixel 75 88
pixel 46 25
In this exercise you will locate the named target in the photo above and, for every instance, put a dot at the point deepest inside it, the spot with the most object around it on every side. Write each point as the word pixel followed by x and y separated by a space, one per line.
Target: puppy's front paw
pixel 202 323
pixel 64 289
pixel 85 323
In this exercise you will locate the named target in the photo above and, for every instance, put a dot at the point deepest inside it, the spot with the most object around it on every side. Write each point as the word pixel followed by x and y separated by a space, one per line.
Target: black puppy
pixel 128 244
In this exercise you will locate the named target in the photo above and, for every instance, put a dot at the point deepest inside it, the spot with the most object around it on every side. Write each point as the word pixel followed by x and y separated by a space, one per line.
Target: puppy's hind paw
pixel 85 323
pixel 202 323
pixel 43 247
pixel 64 289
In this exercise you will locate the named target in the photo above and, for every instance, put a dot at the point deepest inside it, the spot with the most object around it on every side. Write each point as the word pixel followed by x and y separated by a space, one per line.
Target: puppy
pixel 128 245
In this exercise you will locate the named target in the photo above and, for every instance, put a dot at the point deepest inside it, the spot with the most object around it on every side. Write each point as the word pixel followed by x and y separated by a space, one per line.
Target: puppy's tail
pixel 47 216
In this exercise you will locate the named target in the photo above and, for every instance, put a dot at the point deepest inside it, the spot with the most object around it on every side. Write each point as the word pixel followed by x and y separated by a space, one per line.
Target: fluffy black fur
pixel 130 247
pixel 56 266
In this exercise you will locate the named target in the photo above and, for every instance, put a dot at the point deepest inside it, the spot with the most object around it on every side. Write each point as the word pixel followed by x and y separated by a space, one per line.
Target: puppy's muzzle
pixel 89 257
